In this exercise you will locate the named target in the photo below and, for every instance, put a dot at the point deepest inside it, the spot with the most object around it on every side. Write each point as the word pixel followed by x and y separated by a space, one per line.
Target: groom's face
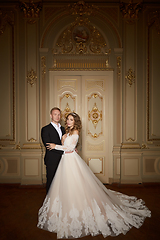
pixel 55 116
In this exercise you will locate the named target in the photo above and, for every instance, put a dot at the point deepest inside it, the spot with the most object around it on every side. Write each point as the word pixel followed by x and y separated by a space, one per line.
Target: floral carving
pixel 31 10
pixel 130 78
pixel 31 77
pixel 95 115
pixel 130 10
pixel 5 17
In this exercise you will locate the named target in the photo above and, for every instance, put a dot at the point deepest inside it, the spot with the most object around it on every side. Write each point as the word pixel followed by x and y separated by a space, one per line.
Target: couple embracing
pixel 77 204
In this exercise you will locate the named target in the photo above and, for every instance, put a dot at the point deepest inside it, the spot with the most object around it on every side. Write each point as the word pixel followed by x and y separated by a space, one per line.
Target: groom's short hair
pixel 55 108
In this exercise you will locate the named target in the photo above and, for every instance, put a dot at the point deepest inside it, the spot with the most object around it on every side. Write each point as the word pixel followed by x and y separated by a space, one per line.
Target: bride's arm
pixel 65 148
pixel 71 147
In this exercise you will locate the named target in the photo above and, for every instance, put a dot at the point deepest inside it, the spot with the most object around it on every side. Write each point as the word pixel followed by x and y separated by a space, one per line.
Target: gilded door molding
pixel 91 96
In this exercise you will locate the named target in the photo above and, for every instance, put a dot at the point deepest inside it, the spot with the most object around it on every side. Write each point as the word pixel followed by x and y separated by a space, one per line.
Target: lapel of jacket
pixel 62 129
pixel 53 129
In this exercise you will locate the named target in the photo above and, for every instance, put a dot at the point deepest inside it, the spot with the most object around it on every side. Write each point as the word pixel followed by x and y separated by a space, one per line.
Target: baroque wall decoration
pixel 5 17
pixel 43 67
pixel 130 10
pixel 31 10
pixel 18 146
pixel 130 77
pixel 81 8
pixel 81 45
pixel 154 18
pixel 66 111
pixel 32 140
pixel 95 115
pixel 31 77
pixel 118 68
pixel 130 140
pixel 91 84
pixel 81 38
pixel 67 105
pixel 95 105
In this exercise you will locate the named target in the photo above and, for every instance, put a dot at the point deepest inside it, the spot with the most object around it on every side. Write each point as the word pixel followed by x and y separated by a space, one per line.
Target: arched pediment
pixel 67 16
pixel 85 33
pixel 81 37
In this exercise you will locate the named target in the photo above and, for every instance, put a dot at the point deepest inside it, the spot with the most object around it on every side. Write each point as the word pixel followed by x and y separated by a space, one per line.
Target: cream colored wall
pixel 26 57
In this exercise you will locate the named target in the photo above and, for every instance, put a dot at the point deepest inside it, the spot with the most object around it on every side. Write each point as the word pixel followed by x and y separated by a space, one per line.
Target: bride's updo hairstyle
pixel 77 123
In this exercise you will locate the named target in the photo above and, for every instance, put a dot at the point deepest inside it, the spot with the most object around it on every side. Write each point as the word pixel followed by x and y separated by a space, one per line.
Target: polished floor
pixel 19 207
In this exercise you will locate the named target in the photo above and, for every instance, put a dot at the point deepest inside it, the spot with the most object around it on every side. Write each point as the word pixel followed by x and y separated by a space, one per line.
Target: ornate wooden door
pixel 90 94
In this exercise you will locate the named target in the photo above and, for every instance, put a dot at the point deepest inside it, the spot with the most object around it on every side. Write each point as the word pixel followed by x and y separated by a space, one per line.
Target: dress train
pixel 78 204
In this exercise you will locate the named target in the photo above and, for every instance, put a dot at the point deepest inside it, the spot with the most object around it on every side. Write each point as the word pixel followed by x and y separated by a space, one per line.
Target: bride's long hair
pixel 77 123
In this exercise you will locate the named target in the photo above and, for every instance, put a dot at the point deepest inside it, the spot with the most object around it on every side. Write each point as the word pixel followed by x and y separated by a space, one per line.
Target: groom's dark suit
pixel 52 158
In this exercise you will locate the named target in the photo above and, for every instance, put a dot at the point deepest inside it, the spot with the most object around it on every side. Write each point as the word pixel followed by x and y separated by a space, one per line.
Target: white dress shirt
pixel 58 128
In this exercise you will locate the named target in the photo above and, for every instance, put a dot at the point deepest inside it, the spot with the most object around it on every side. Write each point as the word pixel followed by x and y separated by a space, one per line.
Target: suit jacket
pixel 50 135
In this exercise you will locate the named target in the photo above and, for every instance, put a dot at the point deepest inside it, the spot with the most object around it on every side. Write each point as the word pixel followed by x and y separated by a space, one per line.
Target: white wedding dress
pixel 78 204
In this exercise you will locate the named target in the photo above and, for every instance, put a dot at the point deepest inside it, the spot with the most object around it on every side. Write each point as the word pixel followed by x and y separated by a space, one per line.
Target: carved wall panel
pixel 91 83
pixel 97 101
pixel 68 93
pixel 93 147
pixel 7 83
pixel 130 168
pixel 96 164
pixel 67 83
pixel 118 95
pixel 10 166
pixel 151 166
pixel 32 83
pixel 95 116
pixel 31 167
pixel 153 83
pixel 67 104
pixel 130 99
pixel 43 85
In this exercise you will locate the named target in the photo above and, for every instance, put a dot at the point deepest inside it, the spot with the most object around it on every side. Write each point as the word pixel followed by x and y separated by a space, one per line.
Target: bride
pixel 78 204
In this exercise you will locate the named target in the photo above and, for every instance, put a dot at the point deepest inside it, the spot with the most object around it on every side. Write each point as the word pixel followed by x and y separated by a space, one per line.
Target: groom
pixel 52 133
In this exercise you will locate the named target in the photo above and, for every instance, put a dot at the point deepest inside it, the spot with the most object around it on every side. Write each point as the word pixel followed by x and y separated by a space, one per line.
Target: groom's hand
pixel 50 146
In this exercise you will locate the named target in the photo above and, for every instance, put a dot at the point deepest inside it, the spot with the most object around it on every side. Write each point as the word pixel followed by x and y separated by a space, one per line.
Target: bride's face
pixel 70 121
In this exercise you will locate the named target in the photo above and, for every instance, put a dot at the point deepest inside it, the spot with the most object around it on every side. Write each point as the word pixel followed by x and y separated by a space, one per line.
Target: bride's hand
pixel 50 146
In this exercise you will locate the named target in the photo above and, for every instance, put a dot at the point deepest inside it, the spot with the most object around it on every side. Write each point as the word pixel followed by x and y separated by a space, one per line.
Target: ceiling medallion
pixel 130 10
pixel 130 77
pixel 95 115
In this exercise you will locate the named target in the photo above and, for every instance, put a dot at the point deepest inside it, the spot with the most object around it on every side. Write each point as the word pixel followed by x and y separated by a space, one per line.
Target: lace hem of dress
pixel 91 221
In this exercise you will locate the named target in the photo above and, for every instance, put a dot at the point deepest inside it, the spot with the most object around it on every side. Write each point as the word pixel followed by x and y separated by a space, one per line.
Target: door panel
pixel 91 96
